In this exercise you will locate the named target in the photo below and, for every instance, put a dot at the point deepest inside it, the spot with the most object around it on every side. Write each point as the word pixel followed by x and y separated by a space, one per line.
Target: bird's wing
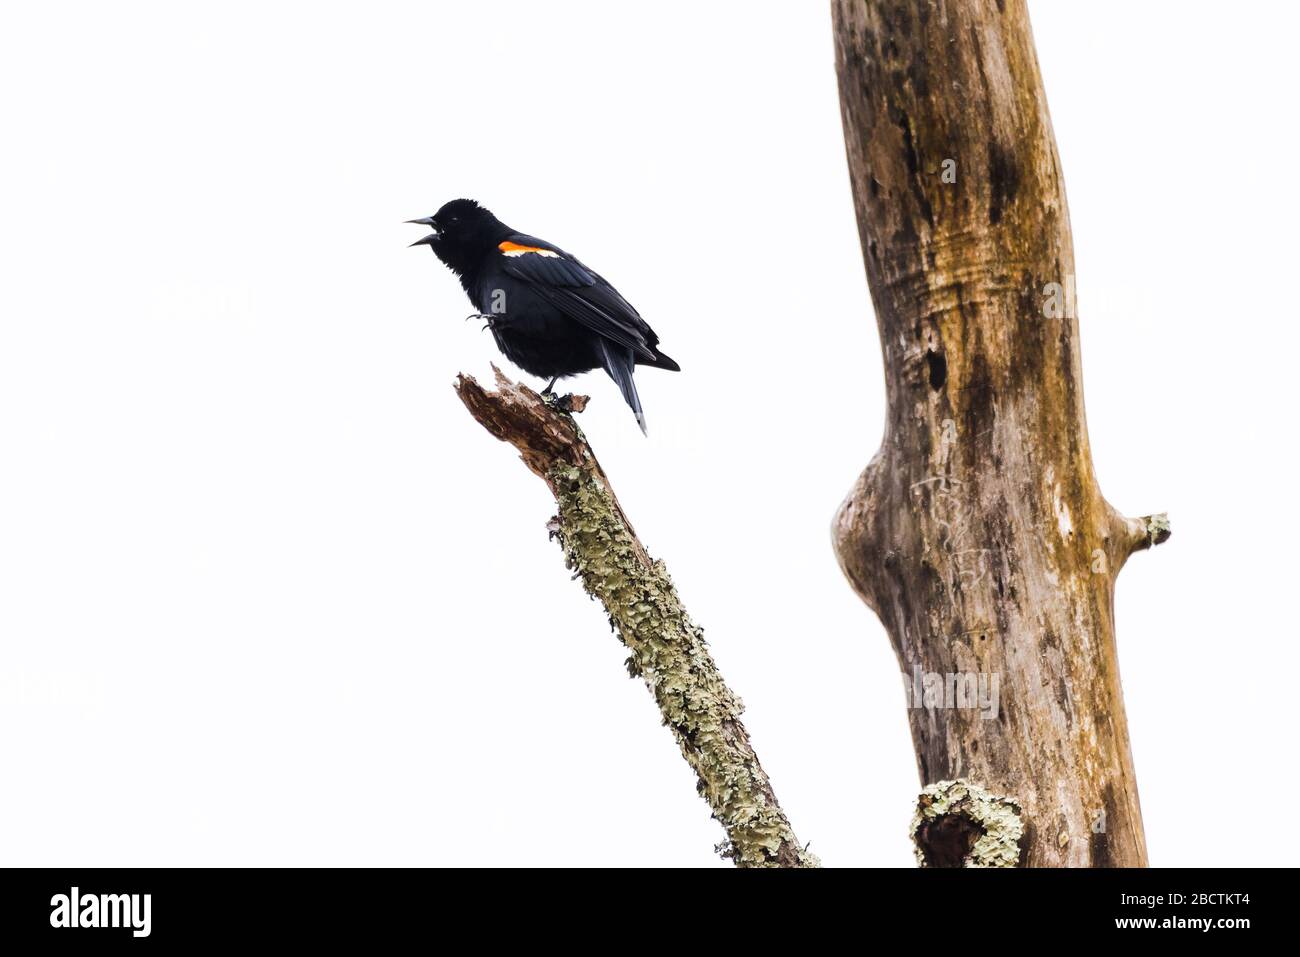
pixel 578 292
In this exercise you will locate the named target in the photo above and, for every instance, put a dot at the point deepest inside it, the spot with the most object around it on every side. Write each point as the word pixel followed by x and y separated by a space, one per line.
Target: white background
pixel 269 596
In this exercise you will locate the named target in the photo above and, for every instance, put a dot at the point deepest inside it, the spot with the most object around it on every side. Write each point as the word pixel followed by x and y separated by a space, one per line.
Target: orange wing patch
pixel 514 249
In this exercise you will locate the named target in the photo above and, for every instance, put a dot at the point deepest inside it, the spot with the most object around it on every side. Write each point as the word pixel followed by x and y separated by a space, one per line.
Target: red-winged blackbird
pixel 550 315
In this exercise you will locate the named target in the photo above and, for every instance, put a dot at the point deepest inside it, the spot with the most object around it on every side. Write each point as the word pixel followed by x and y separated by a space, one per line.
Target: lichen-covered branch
pixel 960 824
pixel 667 649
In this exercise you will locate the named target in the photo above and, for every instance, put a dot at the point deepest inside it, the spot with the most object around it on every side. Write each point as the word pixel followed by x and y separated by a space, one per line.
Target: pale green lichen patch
pixel 959 823
pixel 668 652
pixel 1158 529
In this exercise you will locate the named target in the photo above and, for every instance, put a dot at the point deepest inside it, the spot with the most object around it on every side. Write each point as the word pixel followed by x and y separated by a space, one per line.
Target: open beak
pixel 430 239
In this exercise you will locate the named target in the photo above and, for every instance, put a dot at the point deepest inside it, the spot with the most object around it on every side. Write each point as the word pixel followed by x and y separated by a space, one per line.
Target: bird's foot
pixel 568 403
pixel 489 322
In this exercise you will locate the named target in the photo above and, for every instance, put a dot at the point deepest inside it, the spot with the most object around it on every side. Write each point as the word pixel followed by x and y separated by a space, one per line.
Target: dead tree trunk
pixel 978 533
pixel 667 649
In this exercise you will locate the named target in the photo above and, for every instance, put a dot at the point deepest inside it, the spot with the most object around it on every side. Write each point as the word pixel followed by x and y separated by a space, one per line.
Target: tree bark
pixel 668 650
pixel 978 532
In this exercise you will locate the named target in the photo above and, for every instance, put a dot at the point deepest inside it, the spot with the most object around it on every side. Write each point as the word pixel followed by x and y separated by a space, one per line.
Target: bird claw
pixel 568 402
pixel 492 322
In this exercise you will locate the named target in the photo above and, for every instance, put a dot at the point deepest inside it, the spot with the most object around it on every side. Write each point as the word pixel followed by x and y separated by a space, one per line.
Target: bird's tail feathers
pixel 620 363
pixel 661 361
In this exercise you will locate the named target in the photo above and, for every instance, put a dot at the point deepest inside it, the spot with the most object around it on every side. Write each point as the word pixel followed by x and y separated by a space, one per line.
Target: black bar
pixel 370 908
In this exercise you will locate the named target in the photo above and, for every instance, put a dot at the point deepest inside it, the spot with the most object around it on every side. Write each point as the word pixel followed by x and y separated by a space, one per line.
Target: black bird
pixel 550 315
